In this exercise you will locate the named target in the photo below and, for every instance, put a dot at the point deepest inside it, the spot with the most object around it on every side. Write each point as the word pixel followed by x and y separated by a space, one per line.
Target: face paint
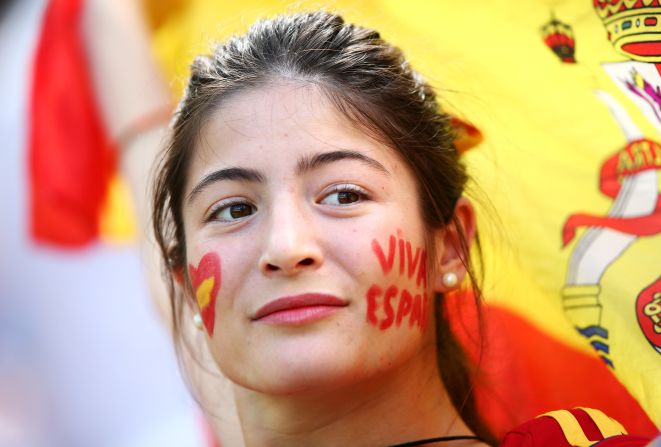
pixel 412 261
pixel 386 264
pixel 205 280
pixel 405 304
pixel 391 292
pixel 393 307
pixel 372 294
pixel 389 306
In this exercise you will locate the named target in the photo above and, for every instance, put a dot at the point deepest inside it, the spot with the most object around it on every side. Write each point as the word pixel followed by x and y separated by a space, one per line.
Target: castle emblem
pixel 648 311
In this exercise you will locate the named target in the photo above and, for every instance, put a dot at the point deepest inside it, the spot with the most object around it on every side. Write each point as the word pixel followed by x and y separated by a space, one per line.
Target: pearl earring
pixel 197 321
pixel 450 280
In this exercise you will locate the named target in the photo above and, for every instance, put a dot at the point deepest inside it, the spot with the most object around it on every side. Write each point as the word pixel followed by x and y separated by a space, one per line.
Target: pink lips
pixel 299 309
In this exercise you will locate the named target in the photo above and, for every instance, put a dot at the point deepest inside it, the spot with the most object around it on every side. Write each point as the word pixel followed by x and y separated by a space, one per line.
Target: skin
pixel 337 380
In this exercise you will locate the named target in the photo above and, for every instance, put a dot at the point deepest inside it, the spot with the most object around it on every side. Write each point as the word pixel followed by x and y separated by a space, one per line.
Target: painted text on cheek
pixel 408 263
pixel 205 280
pixel 392 306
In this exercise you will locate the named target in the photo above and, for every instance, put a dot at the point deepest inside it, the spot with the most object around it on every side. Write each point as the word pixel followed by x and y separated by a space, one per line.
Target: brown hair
pixel 369 81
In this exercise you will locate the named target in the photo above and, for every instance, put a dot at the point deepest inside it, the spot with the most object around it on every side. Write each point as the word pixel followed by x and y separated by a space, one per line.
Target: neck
pixel 407 404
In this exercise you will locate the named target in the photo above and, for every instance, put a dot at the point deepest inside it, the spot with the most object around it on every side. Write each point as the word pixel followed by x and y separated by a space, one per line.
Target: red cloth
pixel 624 441
pixel 525 372
pixel 545 431
pixel 70 157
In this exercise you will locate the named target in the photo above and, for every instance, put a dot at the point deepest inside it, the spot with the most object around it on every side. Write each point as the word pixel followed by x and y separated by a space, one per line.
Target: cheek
pixel 206 282
pixel 216 278
pixel 398 297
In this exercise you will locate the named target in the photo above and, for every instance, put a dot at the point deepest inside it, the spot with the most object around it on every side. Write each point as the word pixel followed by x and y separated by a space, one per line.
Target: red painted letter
pixel 413 261
pixel 386 265
pixel 387 306
pixel 372 294
pixel 422 271
pixel 405 303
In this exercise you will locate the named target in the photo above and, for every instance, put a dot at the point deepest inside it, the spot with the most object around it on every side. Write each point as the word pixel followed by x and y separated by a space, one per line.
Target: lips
pixel 297 305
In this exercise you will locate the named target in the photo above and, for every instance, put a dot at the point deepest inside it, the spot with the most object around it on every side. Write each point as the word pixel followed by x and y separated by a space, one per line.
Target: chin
pixel 302 371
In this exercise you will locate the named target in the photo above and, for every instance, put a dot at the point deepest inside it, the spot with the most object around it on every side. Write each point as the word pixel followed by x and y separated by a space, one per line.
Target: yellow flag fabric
pixel 568 98
pixel 117 224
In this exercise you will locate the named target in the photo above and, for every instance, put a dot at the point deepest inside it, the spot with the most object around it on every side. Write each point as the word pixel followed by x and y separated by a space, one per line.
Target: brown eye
pixel 232 211
pixel 343 195
pixel 240 210
pixel 347 197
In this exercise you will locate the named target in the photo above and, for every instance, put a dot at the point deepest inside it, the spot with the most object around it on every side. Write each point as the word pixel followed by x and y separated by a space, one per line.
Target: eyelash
pixel 221 206
pixel 347 187
pixel 335 189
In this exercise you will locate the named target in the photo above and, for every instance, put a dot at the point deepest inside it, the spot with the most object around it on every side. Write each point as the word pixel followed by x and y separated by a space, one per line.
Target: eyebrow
pixel 236 174
pixel 305 164
pixel 309 163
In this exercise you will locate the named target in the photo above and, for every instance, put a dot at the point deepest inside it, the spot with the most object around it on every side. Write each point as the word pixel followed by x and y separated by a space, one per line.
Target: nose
pixel 291 244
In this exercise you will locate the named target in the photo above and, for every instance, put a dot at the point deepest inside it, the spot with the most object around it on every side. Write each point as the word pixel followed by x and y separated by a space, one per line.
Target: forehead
pixel 273 126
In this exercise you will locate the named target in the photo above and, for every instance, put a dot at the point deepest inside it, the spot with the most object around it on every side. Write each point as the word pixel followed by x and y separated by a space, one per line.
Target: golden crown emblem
pixel 633 27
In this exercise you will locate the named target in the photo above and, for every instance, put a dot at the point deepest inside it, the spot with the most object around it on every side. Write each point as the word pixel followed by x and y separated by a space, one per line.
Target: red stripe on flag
pixel 70 158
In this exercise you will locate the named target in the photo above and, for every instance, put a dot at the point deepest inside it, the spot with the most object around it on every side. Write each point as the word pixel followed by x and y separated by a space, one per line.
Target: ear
pixel 448 245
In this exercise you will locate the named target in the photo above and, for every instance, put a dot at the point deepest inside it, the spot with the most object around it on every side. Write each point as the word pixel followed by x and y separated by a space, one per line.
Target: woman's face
pixel 305 245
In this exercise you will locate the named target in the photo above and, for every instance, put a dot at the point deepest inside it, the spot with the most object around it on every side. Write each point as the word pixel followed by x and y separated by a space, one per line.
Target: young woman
pixel 310 209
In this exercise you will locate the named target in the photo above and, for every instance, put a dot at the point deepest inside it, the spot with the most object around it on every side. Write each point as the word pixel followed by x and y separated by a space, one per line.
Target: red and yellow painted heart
pixel 206 284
